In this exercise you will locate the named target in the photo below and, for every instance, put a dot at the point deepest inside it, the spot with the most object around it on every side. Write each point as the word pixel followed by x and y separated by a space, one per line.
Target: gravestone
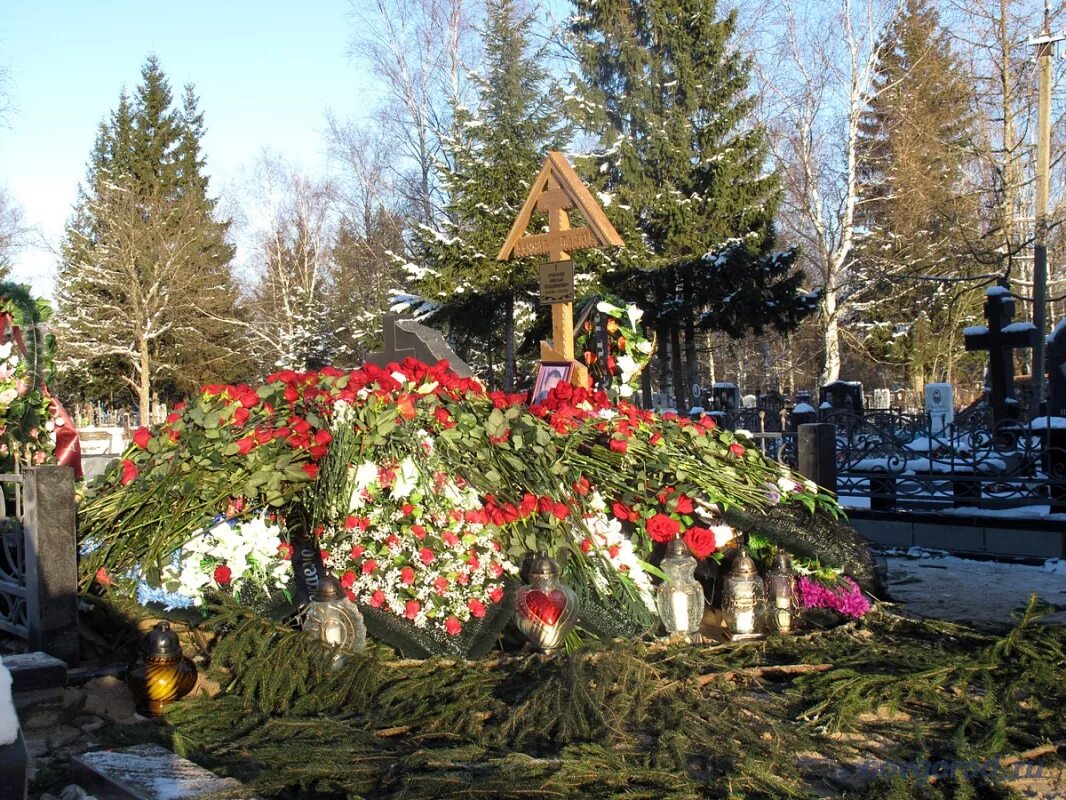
pixel 406 338
pixel 773 405
pixel 1000 337
pixel 749 401
pixel 150 772
pixel 843 396
pixel 1056 371
pixel 725 397
pixel 882 400
pixel 940 406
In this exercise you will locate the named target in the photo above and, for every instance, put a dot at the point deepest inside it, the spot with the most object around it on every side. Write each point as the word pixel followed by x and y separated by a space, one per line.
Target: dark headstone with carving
pixel 843 396
pixel 406 338
pixel 1000 337
pixel 725 397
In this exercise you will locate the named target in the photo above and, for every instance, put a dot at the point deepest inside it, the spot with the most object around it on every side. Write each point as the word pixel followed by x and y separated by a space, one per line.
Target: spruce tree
pixel 681 168
pixel 919 222
pixel 492 155
pixel 144 274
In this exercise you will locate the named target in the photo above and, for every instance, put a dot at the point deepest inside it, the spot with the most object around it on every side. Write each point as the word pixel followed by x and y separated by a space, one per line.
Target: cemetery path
pixel 980 593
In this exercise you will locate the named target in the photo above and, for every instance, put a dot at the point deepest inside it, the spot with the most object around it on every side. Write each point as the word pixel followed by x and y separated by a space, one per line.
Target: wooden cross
pixel 999 338
pixel 557 190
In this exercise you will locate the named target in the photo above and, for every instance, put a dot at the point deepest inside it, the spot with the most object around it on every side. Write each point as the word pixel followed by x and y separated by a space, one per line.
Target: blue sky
pixel 266 71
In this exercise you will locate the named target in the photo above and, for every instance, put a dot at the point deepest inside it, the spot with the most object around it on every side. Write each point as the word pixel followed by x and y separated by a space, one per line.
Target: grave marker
pixel 940 406
pixel 1000 337
pixel 1056 368
pixel 843 396
pixel 557 190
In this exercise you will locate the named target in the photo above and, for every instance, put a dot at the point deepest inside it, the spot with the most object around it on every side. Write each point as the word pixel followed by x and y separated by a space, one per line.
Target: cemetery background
pixel 327 274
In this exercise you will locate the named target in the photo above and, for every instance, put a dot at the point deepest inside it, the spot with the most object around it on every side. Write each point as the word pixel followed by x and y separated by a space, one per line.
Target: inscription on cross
pixel 1000 337
pixel 557 190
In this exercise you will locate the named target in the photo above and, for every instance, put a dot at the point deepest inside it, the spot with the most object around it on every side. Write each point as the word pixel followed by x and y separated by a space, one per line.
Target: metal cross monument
pixel 1000 338
pixel 557 190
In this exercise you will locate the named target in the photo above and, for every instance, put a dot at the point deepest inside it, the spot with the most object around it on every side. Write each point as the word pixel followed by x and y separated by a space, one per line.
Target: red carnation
pixel 223 574
pixel 582 486
pixel 477 608
pixel 700 541
pixel 407 576
pixel 453 626
pixel 102 577
pixel 141 437
pixel 411 609
pixel 426 555
pixel 736 449
pixel 662 528
pixel 129 471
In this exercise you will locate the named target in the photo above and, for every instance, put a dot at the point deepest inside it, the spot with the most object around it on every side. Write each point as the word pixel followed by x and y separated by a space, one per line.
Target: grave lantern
pixel 162 674
pixel 335 619
pixel 742 597
pixel 779 586
pixel 545 609
pixel 680 596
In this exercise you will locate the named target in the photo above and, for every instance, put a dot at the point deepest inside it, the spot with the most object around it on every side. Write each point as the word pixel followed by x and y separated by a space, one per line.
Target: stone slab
pixel 14 770
pixel 149 772
pixel 890 533
pixel 35 671
pixel 1024 542
pixel 953 538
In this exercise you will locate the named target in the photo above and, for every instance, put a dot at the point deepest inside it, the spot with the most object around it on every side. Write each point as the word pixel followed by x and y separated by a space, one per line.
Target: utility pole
pixel 1045 50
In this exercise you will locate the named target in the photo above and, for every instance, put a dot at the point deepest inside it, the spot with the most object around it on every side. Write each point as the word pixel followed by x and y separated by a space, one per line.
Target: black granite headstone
pixel 1056 371
pixel 843 396
pixel 1000 337
pixel 406 338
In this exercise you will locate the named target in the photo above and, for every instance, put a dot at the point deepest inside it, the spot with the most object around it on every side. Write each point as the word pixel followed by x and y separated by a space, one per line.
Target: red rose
pixel 582 486
pixel 347 579
pixel 141 437
pixel 223 574
pixel 440 585
pixel 285 551
pixel 496 595
pixel 406 509
pixel 736 449
pixel 377 600
pixel 358 550
pixel 586 545
pixel 369 566
pixel 129 471
pixel 245 445
pixel 426 555
pixel 700 542
pixel 477 608
pixel 311 470
pixel 684 504
pixel 418 531
pixel 621 511
pixel 453 626
pixel 240 416
pixel 407 576
pixel 174 435
pixel 619 445
pixel 173 417
pixel 450 539
pixel 102 577
pixel 561 510
pixel 662 528
pixel 411 609
pixel 405 405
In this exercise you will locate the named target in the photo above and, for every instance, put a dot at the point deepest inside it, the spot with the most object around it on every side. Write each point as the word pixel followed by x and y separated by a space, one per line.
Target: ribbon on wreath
pixel 68 445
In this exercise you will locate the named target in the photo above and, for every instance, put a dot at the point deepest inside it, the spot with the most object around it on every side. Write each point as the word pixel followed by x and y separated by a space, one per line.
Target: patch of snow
pixel 1019 327
pixel 975 330
pixel 996 291
pixel 9 721
pixel 1048 423
pixel 803 408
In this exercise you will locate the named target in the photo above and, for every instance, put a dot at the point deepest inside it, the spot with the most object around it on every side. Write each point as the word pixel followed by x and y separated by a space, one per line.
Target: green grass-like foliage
pixel 626 719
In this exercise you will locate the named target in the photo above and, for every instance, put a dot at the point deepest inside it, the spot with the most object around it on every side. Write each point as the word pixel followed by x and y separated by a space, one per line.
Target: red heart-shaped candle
pixel 546 607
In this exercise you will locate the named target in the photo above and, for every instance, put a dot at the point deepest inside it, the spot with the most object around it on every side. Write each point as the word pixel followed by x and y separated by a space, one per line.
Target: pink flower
pixel 369 566
pixel 426 555
pixel 453 626
pixel 846 598
pixel 477 608
pixel 377 600
pixel 411 609
pixel 407 576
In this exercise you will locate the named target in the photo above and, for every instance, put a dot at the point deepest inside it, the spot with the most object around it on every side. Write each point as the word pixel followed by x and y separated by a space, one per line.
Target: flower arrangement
pixel 27 426
pixel 627 350
pixel 845 597
pixel 423 490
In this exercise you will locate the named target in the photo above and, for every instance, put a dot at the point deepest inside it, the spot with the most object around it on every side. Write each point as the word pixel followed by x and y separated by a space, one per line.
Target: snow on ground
pixel 984 593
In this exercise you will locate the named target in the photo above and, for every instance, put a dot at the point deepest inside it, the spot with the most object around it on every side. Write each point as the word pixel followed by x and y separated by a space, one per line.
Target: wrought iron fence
pixel 12 557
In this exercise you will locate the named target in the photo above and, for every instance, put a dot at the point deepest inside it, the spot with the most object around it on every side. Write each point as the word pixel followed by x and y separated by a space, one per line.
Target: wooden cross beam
pixel 557 190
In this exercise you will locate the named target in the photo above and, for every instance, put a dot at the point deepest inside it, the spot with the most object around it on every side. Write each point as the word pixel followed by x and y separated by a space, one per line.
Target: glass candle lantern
pixel 334 619
pixel 742 597
pixel 545 609
pixel 680 596
pixel 162 674
pixel 779 585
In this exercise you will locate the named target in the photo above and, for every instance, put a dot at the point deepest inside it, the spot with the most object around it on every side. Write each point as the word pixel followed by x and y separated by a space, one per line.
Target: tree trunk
pixel 508 367
pixel 680 385
pixel 692 367
pixel 831 364
pixel 790 365
pixel 665 384
pixel 144 390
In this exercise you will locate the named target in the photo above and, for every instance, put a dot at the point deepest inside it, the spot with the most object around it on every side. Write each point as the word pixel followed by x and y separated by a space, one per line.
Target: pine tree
pixel 919 221
pixel 492 153
pixel 144 275
pixel 681 169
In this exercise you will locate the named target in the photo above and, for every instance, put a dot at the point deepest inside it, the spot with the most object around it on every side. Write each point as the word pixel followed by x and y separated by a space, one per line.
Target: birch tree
pixel 816 68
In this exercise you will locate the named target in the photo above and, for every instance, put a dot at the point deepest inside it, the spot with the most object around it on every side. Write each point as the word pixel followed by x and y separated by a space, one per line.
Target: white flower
pixel 5 349
pixel 625 390
pixel 406 479
pixel 634 313
pixel 8 396
pixel 607 308
pixel 644 347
